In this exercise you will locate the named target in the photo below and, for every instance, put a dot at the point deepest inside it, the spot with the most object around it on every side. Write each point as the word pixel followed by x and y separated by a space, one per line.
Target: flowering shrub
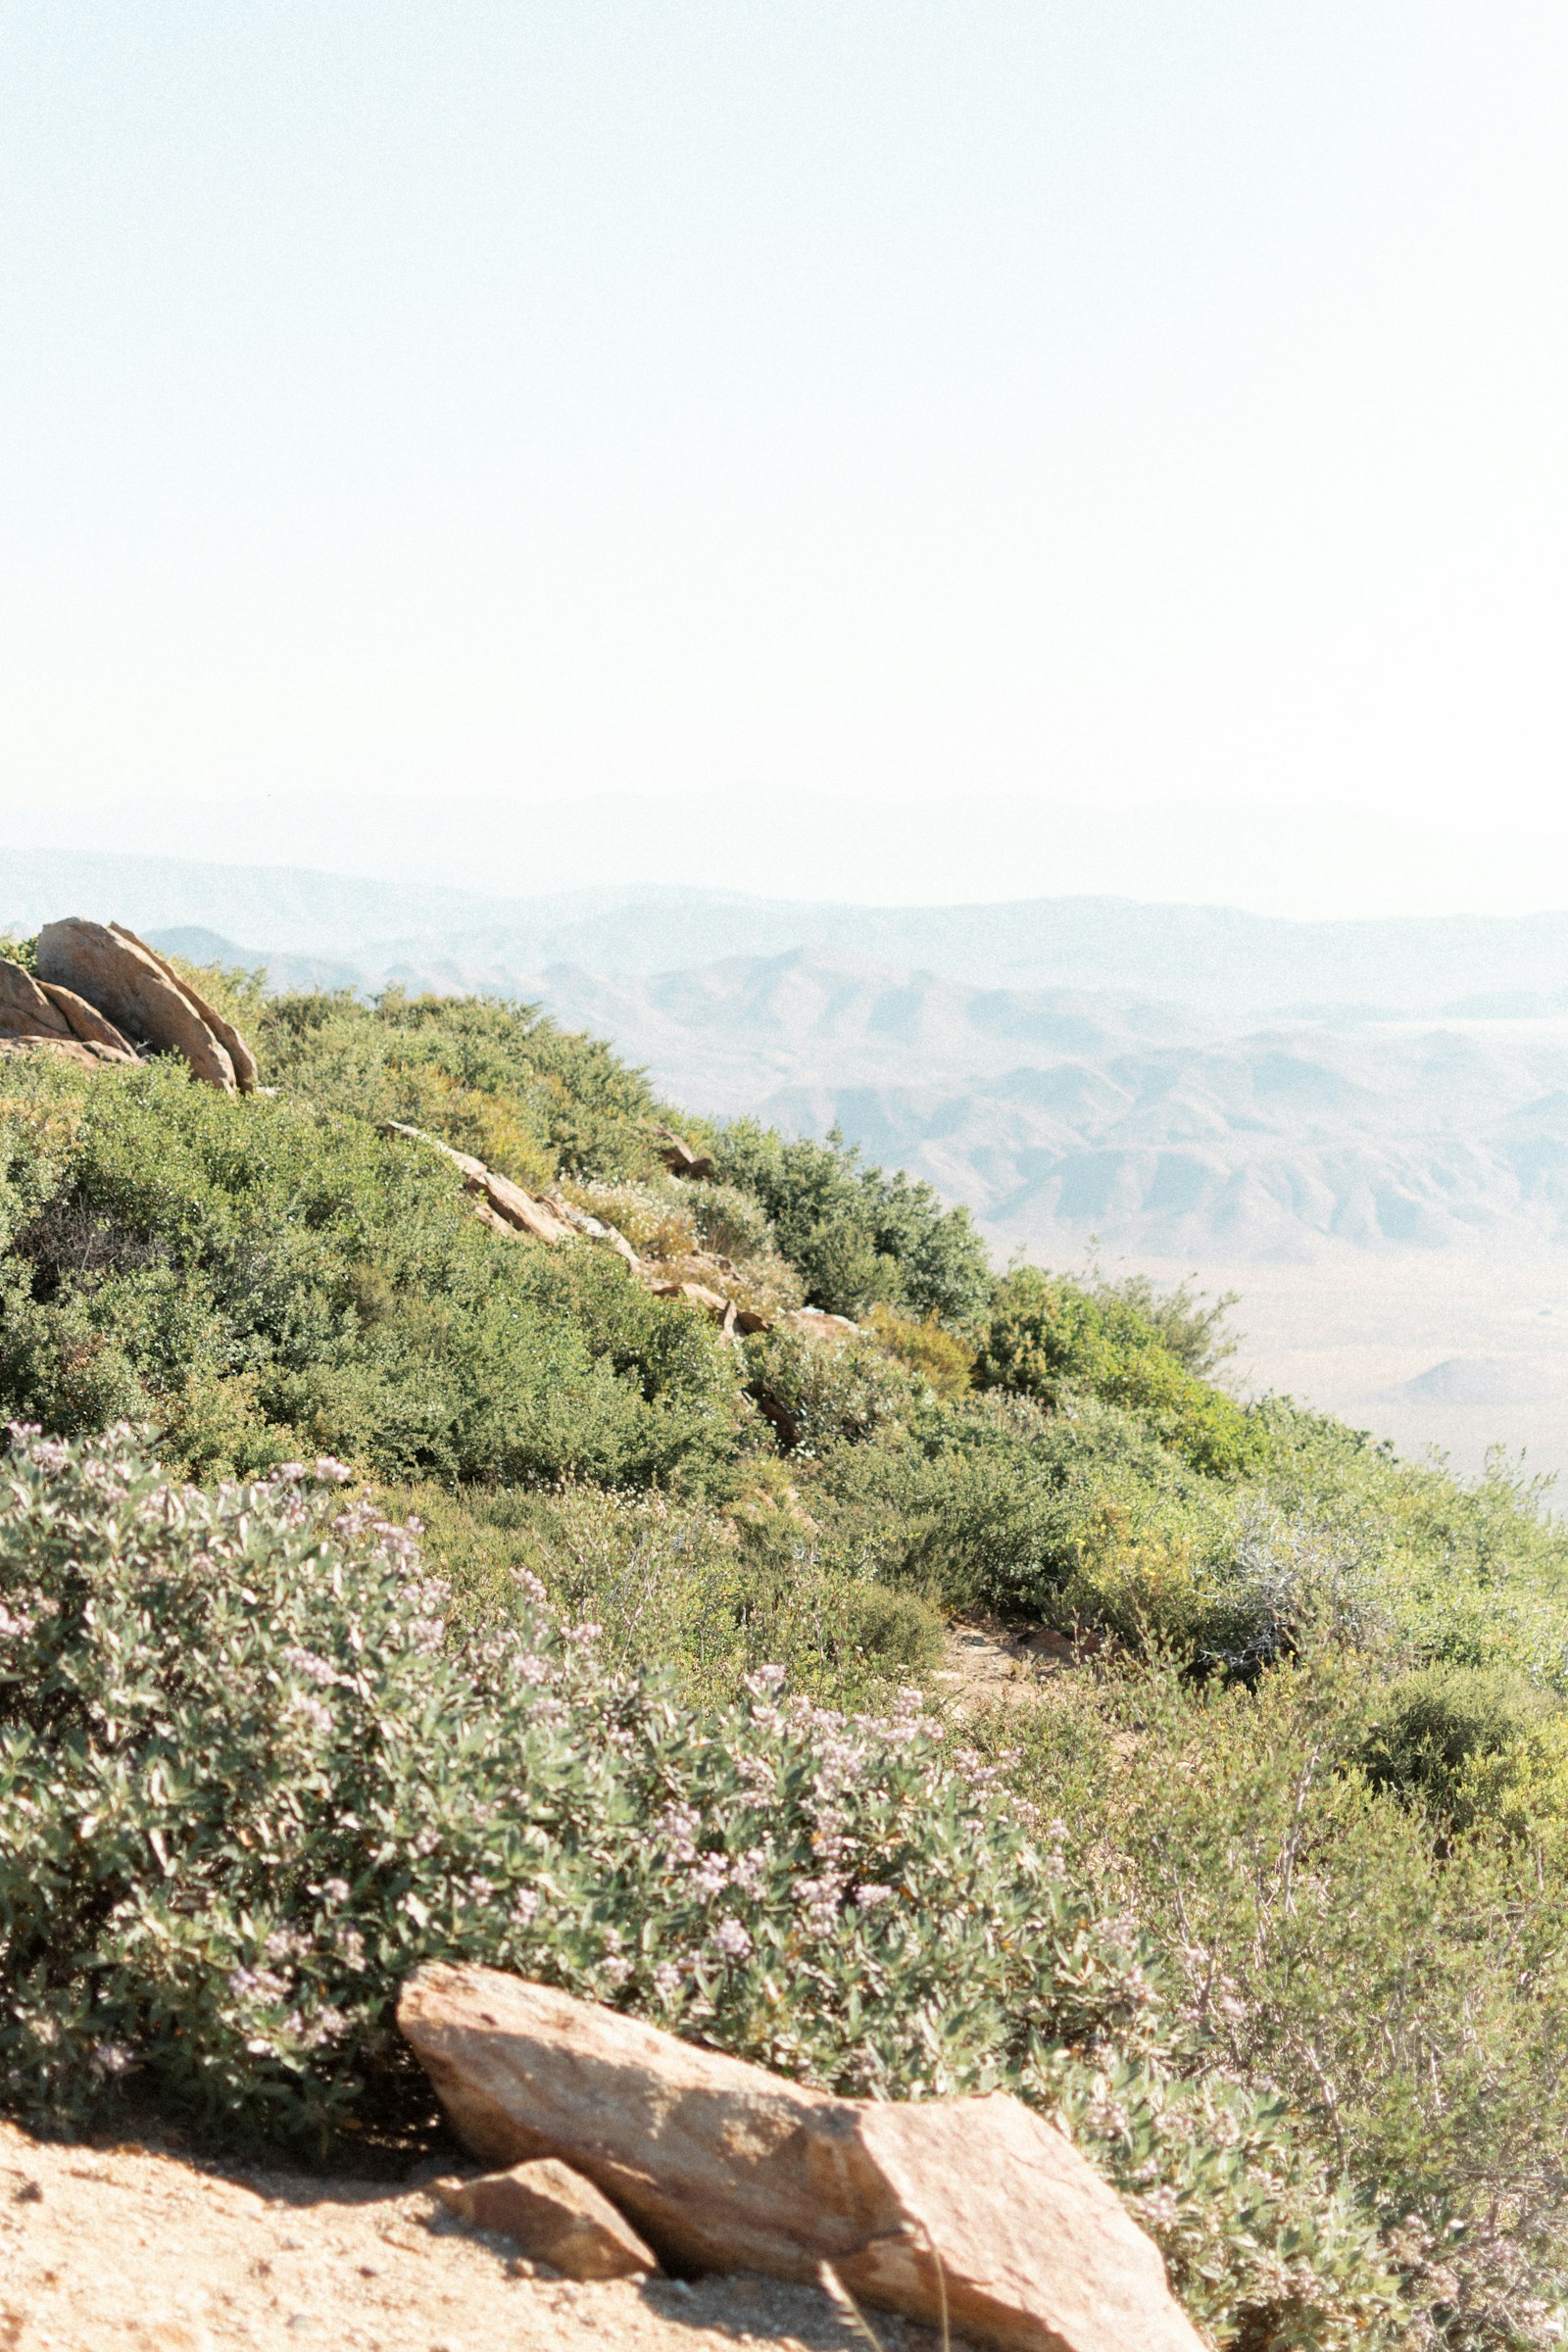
pixel 250 1777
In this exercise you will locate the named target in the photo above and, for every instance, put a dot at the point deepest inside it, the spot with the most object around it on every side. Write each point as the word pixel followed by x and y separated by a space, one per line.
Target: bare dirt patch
pixel 988 1662
pixel 129 2249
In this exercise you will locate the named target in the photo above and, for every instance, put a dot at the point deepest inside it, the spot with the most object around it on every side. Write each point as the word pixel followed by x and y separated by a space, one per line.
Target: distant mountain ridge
pixel 1228 963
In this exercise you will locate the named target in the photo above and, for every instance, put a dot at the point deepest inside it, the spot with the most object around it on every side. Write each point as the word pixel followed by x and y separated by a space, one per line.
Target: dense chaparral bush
pixel 1046 1337
pixel 858 1236
pixel 248 1780
pixel 263 1276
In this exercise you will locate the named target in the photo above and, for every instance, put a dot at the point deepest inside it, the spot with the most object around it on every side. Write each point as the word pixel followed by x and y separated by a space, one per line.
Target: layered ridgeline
pixel 1259 1890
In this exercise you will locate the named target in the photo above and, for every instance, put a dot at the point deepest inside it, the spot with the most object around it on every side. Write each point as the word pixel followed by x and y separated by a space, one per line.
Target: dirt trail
pixel 126 2249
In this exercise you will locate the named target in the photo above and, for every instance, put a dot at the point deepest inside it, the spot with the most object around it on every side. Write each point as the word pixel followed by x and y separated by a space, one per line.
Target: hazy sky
pixel 1128 399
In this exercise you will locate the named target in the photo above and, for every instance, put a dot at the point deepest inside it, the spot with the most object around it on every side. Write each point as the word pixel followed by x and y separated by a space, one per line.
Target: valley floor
pixel 1452 1348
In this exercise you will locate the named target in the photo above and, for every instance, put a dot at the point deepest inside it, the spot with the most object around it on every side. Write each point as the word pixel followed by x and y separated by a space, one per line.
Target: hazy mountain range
pixel 1218 958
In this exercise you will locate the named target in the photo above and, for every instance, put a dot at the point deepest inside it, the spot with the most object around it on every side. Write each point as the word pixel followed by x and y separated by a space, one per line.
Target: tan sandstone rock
pixel 556 2214
pixel 223 1029
pixel 25 1010
pixel 65 1049
pixel 975 2206
pixel 87 1023
pixel 127 982
pixel 499 1201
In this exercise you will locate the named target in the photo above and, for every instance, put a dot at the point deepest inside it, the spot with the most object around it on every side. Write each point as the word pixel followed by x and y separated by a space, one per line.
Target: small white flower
pixel 731 1939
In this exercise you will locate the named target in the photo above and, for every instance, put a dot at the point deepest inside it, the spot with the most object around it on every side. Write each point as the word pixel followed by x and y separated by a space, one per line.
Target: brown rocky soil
pixel 128 2249
pixel 990 1663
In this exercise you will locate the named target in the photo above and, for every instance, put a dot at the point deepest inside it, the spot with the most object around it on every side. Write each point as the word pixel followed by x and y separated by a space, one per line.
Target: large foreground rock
pixel 978 2205
pixel 127 983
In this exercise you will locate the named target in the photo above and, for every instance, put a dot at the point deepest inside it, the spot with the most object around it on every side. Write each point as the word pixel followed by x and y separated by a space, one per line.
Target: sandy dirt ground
pixel 128 2249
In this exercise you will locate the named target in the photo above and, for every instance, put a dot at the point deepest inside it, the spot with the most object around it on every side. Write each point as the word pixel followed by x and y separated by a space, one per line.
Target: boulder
pixel 86 1022
pixel 25 1010
pixel 127 983
pixel 976 2212
pixel 556 2214
pixel 223 1029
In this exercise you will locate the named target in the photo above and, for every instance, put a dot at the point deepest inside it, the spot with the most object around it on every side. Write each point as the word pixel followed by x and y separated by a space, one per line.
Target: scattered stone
pixel 520 1208
pixel 555 2214
pixel 127 983
pixel 976 2208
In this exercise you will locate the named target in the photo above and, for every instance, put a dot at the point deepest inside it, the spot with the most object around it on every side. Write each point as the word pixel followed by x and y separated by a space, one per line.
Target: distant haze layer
pixel 1317 860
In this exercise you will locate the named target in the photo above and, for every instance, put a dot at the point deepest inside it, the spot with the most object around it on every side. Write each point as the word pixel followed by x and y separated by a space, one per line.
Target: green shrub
pixel 814 1391
pixel 943 1361
pixel 1404 1981
pixel 494 1078
pixel 249 1781
pixel 1454 1737
pixel 711 1594
pixel 1048 1338
pixel 262 1278
pixel 857 1234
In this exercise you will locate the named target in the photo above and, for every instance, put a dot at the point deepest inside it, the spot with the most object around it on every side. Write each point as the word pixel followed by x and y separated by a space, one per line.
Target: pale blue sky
pixel 1155 400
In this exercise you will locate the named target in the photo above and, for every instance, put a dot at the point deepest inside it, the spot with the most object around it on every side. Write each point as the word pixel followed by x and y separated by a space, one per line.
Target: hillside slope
pixel 380 1583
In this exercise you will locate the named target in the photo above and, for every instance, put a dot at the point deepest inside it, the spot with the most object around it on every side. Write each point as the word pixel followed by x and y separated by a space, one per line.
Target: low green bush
pixel 1048 1338
pixel 260 1276
pixel 857 1234
pixel 495 1078
pixel 814 1391
pixel 1456 1738
pixel 250 1778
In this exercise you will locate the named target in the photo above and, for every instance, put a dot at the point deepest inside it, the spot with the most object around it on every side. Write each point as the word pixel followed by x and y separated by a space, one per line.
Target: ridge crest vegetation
pixel 607 1646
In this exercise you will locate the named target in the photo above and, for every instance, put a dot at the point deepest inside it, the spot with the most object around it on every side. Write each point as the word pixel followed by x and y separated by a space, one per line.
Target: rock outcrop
pixel 499 1201
pixel 33 1014
pixel 65 1049
pixel 556 2214
pixel 129 986
pixel 976 2212
pixel 223 1029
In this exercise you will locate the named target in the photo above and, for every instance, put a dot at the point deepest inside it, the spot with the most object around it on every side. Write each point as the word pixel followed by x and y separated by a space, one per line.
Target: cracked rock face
pixel 977 2209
